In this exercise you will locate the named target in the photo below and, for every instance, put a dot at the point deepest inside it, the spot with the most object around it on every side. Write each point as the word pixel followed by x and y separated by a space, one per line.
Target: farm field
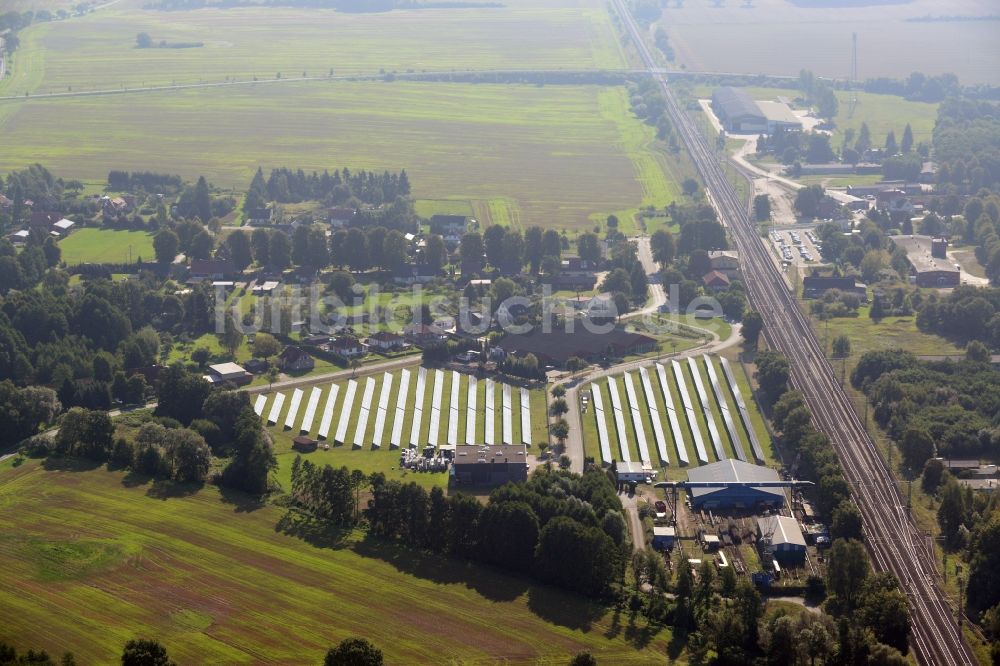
pixel 558 156
pixel 97 246
pixel 385 458
pixel 93 558
pixel 890 42
pixel 98 51
pixel 625 444
pixel 881 112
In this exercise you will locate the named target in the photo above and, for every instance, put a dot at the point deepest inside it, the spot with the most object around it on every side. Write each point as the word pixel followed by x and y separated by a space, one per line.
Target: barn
pixel 734 497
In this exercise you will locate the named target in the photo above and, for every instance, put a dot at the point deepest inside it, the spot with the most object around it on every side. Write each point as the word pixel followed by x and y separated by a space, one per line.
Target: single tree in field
pixel 232 337
pixel 841 346
pixel 906 145
pixel 353 652
pixel 143 40
pixel 272 376
pixel 144 652
pixel 165 244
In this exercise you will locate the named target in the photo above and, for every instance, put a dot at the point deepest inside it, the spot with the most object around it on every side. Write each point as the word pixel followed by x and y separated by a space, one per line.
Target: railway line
pixel 894 542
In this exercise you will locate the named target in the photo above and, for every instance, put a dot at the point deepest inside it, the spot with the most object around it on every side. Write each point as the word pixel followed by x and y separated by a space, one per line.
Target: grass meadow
pixel 96 246
pixel 558 156
pixel 98 51
pixel 93 558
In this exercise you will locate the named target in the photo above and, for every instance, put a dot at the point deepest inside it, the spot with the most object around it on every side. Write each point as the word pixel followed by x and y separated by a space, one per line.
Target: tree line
pixel 284 185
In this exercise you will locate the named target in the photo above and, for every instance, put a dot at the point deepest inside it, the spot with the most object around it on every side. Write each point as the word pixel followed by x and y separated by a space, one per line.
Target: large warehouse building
pixel 739 113
pixel 929 259
pixel 734 497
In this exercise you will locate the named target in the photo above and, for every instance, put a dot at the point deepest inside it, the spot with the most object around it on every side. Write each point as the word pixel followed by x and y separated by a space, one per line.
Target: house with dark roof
pixel 715 281
pixel 259 216
pixel 814 286
pixel 559 345
pixel 345 347
pixel 211 269
pixel 295 359
pixel 386 341
pixel 424 334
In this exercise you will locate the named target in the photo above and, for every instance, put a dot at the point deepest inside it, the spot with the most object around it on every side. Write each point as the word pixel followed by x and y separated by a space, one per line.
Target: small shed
pixel 663 537
pixel 787 542
pixel 304 444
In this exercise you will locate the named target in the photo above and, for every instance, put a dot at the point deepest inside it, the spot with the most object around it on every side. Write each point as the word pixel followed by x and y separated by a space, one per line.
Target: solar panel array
pixel 366 407
pixel 345 415
pixel 435 425
pixel 602 425
pixel 275 412
pixel 258 406
pixel 508 418
pixel 470 414
pixel 675 426
pixel 706 409
pixel 395 439
pixel 525 417
pixel 640 431
pixel 490 434
pixel 293 409
pixel 453 409
pixel 758 451
pixel 654 413
pixel 727 418
pixel 699 444
pixel 368 412
pixel 383 407
pixel 310 415
pixel 324 424
pixel 418 407
pixel 616 404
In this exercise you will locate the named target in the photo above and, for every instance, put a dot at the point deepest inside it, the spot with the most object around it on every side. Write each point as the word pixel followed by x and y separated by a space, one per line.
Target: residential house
pixel 259 216
pixel 256 365
pixel 726 262
pixel 715 281
pixel 423 335
pixel 385 341
pixel 295 359
pixel 211 269
pixel 20 237
pixel 63 227
pixel 449 227
pixel 113 207
pixel 600 306
pixel 341 217
pixel 345 347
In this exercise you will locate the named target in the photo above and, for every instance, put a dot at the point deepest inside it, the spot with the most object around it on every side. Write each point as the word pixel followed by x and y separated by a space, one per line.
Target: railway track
pixel 894 542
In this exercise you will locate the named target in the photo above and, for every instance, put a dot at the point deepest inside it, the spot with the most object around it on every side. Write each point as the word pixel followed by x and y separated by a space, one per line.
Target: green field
pixel 555 155
pixel 96 246
pixel 92 558
pixel 780 38
pixel 99 51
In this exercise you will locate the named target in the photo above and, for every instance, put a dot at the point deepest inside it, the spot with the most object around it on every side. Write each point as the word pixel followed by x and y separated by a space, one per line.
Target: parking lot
pixel 797 246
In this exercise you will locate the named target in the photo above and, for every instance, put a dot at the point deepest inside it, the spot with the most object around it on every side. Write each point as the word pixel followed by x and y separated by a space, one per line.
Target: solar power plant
pixel 324 424
pixel 470 417
pixel 345 413
pixel 395 438
pixel 654 413
pixel 310 415
pixel 293 409
pixel 272 416
pixel 602 426
pixel 706 409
